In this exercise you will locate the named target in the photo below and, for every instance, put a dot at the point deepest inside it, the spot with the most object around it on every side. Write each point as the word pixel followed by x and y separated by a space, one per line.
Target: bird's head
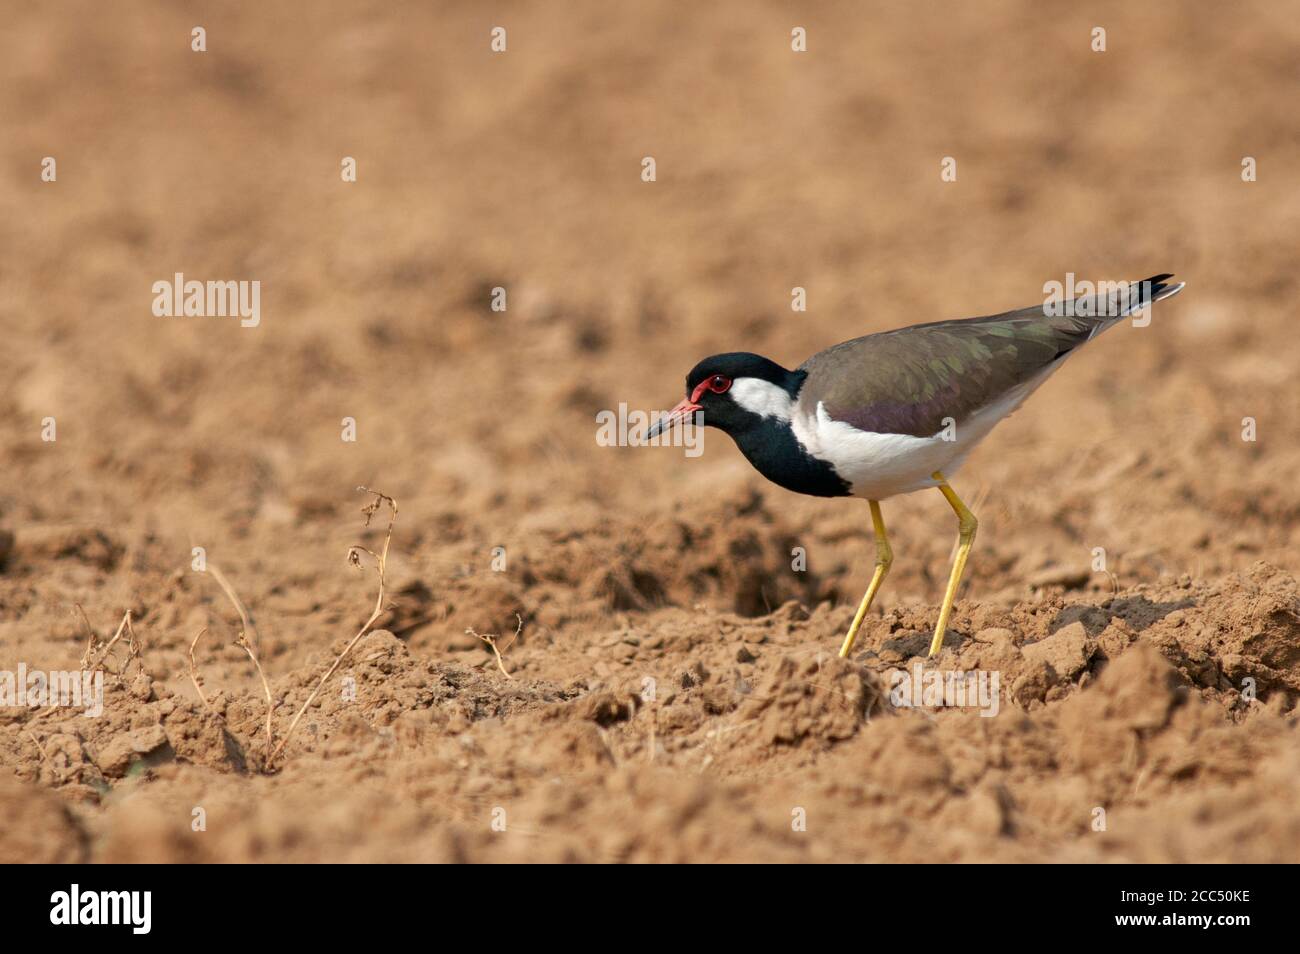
pixel 733 391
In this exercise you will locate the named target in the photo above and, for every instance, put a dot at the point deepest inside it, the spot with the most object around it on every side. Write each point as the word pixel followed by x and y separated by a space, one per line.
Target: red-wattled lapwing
pixel 897 411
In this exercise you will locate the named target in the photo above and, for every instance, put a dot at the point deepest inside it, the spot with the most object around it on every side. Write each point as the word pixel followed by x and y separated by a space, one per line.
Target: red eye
pixel 718 384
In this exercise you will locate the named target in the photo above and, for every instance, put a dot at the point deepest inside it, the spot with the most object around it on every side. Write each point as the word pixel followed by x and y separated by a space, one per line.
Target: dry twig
pixel 354 559
pixel 92 641
pixel 491 640
pixel 246 624
pixel 40 748
pixel 194 672
pixel 244 642
pixel 89 665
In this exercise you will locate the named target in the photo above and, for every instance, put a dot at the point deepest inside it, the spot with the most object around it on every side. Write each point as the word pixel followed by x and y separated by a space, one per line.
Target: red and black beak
pixel 682 412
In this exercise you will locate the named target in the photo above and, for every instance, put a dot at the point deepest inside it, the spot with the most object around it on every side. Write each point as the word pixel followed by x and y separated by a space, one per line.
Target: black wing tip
pixel 1157 287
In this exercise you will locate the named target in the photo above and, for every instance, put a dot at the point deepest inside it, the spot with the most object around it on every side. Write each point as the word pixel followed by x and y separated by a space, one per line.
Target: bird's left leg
pixel 966 526
pixel 884 558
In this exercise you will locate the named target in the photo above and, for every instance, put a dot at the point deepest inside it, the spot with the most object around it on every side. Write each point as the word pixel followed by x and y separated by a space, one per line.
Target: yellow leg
pixel 966 526
pixel 884 557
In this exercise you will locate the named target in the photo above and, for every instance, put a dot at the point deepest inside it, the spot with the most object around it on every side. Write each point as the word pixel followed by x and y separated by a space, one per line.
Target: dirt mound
pixel 668 687
pixel 813 702
pixel 756 712
pixel 39 827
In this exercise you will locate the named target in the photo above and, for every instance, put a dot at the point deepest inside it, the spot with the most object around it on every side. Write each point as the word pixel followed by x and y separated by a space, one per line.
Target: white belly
pixel 877 466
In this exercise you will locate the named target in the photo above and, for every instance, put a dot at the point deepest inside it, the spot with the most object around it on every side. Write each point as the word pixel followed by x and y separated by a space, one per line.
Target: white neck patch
pixel 762 398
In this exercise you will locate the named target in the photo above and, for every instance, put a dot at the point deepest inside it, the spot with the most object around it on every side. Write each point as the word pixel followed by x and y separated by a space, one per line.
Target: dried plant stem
pixel 244 642
pixel 40 748
pixel 91 638
pixel 194 672
pixel 247 647
pixel 245 618
pixel 354 558
pixel 491 640
pixel 122 627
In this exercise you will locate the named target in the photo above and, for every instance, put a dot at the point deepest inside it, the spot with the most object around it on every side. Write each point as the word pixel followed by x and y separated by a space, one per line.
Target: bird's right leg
pixel 884 558
pixel 966 527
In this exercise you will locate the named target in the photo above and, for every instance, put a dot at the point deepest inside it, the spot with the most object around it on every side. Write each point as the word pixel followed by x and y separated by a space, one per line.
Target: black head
pixel 752 399
pixel 733 391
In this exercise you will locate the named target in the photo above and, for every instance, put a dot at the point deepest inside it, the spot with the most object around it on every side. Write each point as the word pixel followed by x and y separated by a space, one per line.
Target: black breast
pixel 771 447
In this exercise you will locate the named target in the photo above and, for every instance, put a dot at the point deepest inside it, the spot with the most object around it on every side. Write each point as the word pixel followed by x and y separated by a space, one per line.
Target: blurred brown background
pixel 775 169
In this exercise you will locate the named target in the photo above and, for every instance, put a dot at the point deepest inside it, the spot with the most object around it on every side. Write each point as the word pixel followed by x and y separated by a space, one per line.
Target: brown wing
pixel 907 381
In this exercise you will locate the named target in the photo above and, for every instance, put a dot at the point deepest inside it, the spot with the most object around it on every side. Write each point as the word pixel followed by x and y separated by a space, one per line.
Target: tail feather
pixel 1142 293
pixel 1156 288
pixel 1128 299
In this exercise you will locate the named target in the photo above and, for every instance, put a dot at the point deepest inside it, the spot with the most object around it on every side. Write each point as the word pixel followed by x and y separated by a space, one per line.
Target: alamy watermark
pixel 215 299
pixel 1085 299
pixel 34 689
pixel 624 428
pixel 130 908
pixel 945 688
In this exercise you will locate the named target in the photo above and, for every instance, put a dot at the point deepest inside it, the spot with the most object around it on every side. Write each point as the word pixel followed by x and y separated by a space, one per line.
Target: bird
pixel 898 411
